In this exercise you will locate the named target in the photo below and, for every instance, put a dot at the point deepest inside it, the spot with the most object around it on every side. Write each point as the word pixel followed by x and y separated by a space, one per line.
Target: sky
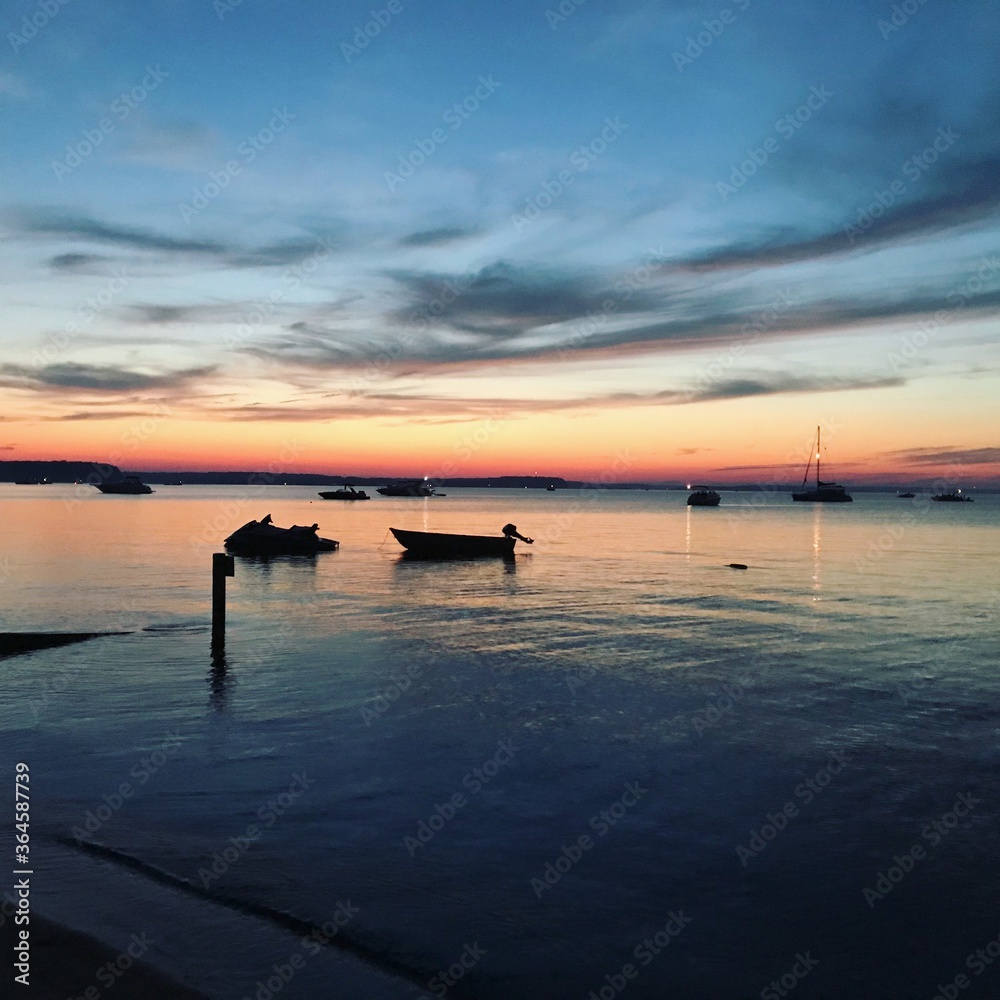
pixel 644 241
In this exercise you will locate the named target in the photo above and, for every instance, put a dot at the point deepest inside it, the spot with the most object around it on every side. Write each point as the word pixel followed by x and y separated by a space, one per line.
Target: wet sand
pixel 64 966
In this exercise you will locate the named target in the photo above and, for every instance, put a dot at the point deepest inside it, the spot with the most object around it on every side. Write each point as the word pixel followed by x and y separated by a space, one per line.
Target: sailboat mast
pixel 818 450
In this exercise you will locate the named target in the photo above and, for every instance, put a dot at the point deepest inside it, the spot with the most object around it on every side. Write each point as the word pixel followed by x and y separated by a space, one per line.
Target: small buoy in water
pixel 737 565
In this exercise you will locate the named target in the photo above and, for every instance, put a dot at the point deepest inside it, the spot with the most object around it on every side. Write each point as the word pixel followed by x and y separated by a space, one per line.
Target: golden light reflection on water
pixel 624 569
pixel 817 548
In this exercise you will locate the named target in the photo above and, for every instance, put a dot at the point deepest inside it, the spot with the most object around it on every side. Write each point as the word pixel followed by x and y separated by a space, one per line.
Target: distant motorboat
pixel 822 492
pixel 703 497
pixel 128 485
pixel 905 496
pixel 262 538
pixel 956 497
pixel 32 482
pixel 439 545
pixel 408 488
pixel 348 493
pixel 550 488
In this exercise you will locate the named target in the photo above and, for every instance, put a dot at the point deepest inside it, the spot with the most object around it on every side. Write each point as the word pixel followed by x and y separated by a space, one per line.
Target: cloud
pixel 740 388
pixel 104 415
pixel 966 192
pixel 47 222
pixel 76 261
pixel 436 237
pixel 13 90
pixel 163 314
pixel 83 227
pixel 97 378
pixel 281 253
pixel 947 455
pixel 170 145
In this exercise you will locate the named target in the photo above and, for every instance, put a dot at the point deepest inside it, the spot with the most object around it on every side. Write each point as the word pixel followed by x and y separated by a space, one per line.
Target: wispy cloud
pixel 77 261
pixel 96 378
pixel 436 237
pixel 966 192
pixel 41 223
pixel 741 388
pixel 943 456
pixel 13 89
pixel 90 230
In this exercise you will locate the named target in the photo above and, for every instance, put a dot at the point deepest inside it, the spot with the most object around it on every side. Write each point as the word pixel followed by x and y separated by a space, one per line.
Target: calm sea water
pixel 613 766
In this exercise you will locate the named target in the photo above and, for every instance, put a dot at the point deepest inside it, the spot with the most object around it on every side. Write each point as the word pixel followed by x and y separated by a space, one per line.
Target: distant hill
pixel 58 472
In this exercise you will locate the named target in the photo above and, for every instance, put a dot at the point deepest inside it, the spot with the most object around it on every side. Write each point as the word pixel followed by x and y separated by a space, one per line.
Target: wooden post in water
pixel 222 566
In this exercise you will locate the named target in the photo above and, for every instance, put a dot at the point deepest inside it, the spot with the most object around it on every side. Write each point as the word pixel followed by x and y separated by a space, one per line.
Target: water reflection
pixel 217 682
pixel 817 547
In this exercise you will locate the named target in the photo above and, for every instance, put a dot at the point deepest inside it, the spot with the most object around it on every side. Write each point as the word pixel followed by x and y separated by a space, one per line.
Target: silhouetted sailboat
pixel 823 492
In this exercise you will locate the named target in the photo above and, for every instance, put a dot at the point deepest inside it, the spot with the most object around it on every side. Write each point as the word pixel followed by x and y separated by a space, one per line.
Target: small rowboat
pixel 438 545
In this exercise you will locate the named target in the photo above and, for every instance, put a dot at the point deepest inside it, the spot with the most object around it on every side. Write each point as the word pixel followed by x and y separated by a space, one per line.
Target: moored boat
pixel 127 486
pixel 822 492
pixel 956 497
pixel 905 496
pixel 408 488
pixel 347 493
pixel 703 497
pixel 440 545
pixel 262 538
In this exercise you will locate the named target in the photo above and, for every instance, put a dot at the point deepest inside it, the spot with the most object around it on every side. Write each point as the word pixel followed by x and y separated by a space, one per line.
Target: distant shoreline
pixel 61 471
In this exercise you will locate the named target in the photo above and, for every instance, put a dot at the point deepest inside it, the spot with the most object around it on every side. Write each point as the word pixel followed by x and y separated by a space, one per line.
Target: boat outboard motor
pixel 511 529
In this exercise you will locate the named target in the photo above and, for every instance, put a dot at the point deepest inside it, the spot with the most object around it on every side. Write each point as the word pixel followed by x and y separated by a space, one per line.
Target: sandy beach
pixel 65 965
